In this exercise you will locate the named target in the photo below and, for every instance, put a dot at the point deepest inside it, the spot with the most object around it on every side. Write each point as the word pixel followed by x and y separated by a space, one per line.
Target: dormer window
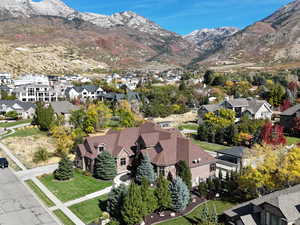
pixel 100 148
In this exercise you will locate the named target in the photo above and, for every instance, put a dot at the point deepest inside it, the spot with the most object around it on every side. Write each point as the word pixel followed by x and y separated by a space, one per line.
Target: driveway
pixel 17 204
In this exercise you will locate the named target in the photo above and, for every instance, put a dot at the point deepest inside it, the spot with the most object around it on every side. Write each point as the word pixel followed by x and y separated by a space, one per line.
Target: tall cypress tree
pixel 145 169
pixel 148 197
pixel 133 209
pixel 184 172
pixel 44 116
pixel 116 200
pixel 105 166
pixel 180 194
pixel 65 170
pixel 163 194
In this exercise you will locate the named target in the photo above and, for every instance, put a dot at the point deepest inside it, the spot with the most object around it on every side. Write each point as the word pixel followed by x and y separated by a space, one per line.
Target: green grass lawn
pixel 11 124
pixel 63 218
pixel 90 210
pixel 191 218
pixel 79 186
pixel 292 140
pixel 209 146
pixel 188 126
pixel 26 132
pixel 39 193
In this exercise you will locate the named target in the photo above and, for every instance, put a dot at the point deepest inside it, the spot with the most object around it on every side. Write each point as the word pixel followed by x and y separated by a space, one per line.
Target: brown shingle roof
pixel 167 147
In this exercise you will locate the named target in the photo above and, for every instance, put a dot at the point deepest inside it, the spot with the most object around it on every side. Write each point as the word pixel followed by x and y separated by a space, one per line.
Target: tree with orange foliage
pixel 273 134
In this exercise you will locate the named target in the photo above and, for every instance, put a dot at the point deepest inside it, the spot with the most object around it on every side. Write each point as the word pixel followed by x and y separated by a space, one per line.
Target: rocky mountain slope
pixel 275 39
pixel 203 36
pixel 121 40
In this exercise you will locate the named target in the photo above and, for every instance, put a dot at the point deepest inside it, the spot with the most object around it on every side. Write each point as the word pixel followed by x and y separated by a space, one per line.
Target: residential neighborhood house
pixel 289 116
pixel 63 108
pixel 165 149
pixel 255 109
pixel 278 208
pixel 25 110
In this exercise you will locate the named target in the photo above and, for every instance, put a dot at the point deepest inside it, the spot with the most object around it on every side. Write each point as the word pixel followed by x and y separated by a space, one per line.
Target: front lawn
pixel 63 218
pixel 188 126
pixel 192 218
pixel 209 146
pixel 77 187
pixel 90 210
pixel 292 140
pixel 11 124
pixel 39 193
pixel 26 132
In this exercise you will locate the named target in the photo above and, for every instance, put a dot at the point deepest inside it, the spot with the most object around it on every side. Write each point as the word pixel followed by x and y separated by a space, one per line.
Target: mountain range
pixel 50 37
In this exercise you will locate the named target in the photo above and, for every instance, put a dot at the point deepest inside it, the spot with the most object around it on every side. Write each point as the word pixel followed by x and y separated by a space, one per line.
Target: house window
pixel 123 161
pixel 162 171
pixel 212 167
pixel 100 148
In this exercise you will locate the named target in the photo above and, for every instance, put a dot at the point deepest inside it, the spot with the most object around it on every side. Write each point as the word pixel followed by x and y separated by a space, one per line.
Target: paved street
pixel 18 206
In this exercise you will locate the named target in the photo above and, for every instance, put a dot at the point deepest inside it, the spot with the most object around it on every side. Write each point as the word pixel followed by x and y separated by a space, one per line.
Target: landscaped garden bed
pixel 77 187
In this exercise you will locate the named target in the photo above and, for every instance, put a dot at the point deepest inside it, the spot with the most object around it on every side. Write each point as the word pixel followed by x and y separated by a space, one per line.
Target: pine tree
pixel 133 209
pixel 44 116
pixel 202 189
pixel 65 170
pixel 145 169
pixel 180 194
pixel 208 216
pixel 105 166
pixel 115 201
pixel 184 172
pixel 162 193
pixel 148 197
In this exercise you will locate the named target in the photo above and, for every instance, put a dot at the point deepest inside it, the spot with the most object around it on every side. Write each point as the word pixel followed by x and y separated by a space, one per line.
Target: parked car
pixel 3 163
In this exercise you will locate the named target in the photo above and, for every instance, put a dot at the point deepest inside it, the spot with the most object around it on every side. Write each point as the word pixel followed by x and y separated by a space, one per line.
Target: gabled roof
pixel 63 107
pixel 287 201
pixel 13 103
pixel 292 110
pixel 164 147
pixel 238 102
pixel 211 107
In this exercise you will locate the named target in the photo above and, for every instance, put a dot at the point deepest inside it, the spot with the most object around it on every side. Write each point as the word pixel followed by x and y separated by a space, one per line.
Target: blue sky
pixel 184 16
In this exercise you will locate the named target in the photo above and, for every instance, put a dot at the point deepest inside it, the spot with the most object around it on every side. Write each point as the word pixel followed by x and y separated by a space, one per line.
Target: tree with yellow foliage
pixel 63 140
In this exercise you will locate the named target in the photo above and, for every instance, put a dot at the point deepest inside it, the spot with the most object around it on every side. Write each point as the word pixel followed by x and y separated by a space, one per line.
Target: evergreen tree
pixel 44 116
pixel 208 216
pixel 148 197
pixel 184 172
pixel 65 170
pixel 208 77
pixel 180 194
pixel 133 209
pixel 115 201
pixel 105 166
pixel 145 169
pixel 202 189
pixel 162 193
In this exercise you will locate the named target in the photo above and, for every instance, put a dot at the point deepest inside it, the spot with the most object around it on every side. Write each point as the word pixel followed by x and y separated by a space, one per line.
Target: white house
pixel 84 92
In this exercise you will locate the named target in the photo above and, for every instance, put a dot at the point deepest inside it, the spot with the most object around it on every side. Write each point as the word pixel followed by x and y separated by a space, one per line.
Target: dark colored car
pixel 3 163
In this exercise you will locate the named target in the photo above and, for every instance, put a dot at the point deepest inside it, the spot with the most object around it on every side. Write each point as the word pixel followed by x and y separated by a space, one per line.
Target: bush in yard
pixel 115 201
pixel 208 216
pixel 202 189
pixel 145 169
pixel 180 194
pixel 113 222
pixel 12 115
pixel 162 193
pixel 148 197
pixel 41 155
pixel 184 172
pixel 65 170
pixel 105 166
pixel 133 209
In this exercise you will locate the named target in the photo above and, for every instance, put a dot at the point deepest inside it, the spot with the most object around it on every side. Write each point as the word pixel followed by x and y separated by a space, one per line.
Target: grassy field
pixel 189 126
pixel 292 140
pixel 90 210
pixel 192 218
pixel 209 146
pixel 79 186
pixel 11 124
pixel 63 218
pixel 39 193
pixel 26 132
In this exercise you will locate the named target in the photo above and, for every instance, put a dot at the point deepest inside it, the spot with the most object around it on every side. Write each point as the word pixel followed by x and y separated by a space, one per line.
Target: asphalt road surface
pixel 17 205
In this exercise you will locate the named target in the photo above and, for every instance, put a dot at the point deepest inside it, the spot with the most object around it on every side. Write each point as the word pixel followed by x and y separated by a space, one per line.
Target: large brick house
pixel 165 148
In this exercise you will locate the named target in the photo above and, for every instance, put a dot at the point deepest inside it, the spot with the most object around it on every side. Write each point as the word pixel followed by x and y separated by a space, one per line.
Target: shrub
pixel 41 155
